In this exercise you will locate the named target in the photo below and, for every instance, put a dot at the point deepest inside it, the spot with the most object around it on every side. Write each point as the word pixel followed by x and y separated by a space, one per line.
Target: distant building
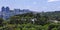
pixel 17 11
pixel 7 9
pixel 3 8
pixel 6 13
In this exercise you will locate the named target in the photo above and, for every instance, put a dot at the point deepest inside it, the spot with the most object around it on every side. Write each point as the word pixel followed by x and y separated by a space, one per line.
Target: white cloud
pixel 53 0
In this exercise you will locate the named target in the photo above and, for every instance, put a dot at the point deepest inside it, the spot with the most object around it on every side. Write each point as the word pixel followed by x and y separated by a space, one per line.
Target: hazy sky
pixel 35 5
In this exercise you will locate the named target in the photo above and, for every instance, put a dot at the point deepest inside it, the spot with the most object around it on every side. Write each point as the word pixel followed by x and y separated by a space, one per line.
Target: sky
pixel 33 5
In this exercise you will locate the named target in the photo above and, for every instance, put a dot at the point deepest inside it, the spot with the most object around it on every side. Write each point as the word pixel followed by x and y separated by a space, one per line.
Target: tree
pixel 1 22
pixel 14 20
pixel 54 29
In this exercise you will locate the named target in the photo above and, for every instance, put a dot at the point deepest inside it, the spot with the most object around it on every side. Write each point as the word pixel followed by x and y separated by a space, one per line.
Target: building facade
pixel 6 13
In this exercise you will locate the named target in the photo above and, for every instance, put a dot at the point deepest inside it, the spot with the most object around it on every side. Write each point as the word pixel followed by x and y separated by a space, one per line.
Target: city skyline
pixel 35 5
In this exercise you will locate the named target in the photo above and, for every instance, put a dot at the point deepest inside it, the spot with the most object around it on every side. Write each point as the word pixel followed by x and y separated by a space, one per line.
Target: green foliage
pixel 54 29
pixel 24 22
pixel 1 22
